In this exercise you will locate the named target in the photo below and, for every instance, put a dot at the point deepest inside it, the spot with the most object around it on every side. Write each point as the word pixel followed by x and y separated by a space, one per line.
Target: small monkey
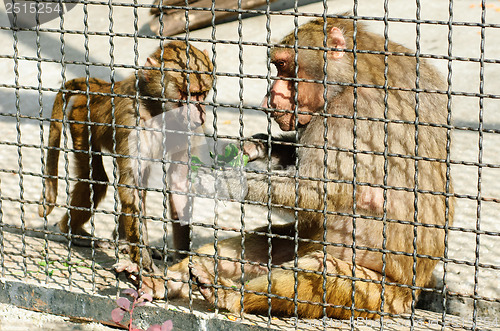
pixel 95 113
pixel 367 160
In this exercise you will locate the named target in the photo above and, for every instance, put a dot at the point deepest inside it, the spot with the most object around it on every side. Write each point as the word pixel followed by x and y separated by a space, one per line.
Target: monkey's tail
pixel 48 198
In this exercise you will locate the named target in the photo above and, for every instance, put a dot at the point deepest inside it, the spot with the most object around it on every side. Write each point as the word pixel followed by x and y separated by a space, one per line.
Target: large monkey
pixel 175 57
pixel 382 203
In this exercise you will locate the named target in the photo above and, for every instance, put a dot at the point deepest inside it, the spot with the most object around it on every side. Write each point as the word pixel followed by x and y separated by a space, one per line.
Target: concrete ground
pixel 17 193
pixel 13 318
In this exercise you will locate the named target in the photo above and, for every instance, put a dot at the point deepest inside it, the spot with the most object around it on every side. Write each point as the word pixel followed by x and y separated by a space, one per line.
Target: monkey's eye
pixel 198 96
pixel 279 64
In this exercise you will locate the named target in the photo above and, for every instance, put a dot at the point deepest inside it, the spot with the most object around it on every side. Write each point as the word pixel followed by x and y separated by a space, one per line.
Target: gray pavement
pixel 13 318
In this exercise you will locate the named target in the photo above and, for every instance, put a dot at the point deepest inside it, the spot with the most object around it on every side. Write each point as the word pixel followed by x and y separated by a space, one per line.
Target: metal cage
pixel 48 43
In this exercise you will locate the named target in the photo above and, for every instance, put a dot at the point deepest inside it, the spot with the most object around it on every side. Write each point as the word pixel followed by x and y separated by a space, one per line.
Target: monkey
pixel 369 185
pixel 95 122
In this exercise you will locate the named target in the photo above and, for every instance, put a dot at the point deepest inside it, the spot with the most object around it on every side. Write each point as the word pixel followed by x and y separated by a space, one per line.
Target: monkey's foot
pixel 227 292
pixel 84 242
pixel 82 238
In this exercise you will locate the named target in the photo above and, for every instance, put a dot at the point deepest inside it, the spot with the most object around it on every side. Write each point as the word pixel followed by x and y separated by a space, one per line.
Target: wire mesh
pixel 243 240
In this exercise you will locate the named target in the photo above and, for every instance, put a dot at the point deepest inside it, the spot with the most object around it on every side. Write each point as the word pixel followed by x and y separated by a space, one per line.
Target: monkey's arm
pixel 282 191
pixel 283 150
pixel 305 181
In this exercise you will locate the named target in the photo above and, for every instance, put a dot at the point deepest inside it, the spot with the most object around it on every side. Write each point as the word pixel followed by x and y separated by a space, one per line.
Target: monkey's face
pixel 194 111
pixel 282 98
pixel 300 90
pixel 289 97
pixel 184 82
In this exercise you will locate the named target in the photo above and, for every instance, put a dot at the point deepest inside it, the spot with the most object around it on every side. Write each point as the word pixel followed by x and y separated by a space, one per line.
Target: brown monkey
pixel 103 130
pixel 375 191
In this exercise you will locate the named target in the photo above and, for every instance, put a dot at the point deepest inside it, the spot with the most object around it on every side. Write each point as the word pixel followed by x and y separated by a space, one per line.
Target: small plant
pixel 48 268
pixel 125 306
pixel 231 158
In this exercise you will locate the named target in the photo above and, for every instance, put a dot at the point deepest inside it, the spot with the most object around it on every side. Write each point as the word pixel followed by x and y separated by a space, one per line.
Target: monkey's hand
pixel 228 294
pixel 175 286
pixel 283 151
pixel 255 150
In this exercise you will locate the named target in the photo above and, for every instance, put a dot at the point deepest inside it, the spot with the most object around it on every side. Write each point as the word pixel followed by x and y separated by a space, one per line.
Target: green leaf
pixel 195 165
pixel 43 263
pixel 233 163
pixel 232 157
pixel 195 160
pixel 239 160
pixel 230 149
pixel 230 152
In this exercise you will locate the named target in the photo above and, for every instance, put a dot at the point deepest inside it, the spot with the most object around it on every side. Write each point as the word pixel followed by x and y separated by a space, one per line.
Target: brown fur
pixel 365 198
pixel 101 112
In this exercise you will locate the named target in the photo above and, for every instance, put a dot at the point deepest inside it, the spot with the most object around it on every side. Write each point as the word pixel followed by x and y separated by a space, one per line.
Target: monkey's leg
pixel 229 263
pixel 228 257
pixel 309 291
pixel 82 197
pixel 134 229
pixel 181 239
pixel 177 284
pixel 180 206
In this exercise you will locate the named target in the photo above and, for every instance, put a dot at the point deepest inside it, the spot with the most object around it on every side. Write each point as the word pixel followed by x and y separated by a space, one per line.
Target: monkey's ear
pixel 205 51
pixel 336 40
pixel 151 62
